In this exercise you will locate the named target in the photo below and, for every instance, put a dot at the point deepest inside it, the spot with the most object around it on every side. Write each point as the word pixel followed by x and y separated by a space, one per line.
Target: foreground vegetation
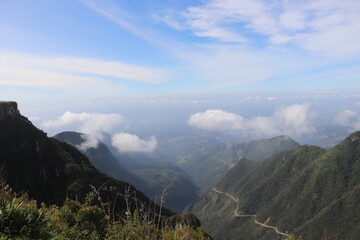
pixel 21 218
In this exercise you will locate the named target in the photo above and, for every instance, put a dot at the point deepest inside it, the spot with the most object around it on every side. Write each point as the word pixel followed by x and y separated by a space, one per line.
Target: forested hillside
pixel 210 164
pixel 307 191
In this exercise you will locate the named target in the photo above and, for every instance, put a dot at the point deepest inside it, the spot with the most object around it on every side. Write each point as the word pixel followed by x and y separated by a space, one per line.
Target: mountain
pixel 160 176
pixel 51 171
pixel 148 175
pixel 211 163
pixel 307 191
pixel 99 155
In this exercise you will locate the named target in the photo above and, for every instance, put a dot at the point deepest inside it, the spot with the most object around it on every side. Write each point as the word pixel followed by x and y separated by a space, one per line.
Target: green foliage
pixel 77 221
pixel 19 217
pixel 133 229
pixel 22 219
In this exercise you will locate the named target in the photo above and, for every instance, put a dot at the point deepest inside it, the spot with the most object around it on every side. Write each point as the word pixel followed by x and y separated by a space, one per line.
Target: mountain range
pixel 51 171
pixel 264 189
pixel 210 163
pixel 147 174
pixel 307 191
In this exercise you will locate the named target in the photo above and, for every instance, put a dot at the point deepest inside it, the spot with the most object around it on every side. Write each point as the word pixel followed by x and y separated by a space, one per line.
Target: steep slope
pixel 50 171
pixel 306 191
pixel 211 163
pixel 148 175
pixel 100 156
pixel 160 176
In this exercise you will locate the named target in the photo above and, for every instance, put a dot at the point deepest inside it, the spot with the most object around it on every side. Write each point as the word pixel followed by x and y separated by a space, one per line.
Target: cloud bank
pixel 291 120
pixel 348 118
pixel 125 142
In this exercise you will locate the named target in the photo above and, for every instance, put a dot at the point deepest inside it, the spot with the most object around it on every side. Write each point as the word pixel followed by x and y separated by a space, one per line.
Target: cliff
pixel 8 110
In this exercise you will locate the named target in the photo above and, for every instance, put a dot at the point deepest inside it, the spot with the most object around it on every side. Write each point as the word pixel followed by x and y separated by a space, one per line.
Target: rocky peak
pixel 8 110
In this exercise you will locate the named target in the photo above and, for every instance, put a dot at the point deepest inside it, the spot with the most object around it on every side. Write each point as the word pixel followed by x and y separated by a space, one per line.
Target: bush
pixel 22 219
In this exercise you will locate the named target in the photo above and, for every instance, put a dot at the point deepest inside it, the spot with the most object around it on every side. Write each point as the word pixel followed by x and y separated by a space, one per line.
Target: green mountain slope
pixel 211 163
pixel 148 175
pixel 100 156
pixel 51 171
pixel 306 191
pixel 178 185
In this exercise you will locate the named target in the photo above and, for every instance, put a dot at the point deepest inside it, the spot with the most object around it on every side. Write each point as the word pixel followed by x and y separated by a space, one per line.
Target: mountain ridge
pixel 209 165
pixel 150 176
pixel 50 171
pixel 306 191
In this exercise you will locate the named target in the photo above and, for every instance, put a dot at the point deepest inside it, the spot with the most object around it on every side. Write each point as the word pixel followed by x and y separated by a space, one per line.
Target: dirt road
pixel 236 214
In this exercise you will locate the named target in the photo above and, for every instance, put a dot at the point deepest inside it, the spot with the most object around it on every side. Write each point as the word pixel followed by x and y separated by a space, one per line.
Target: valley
pixel 264 189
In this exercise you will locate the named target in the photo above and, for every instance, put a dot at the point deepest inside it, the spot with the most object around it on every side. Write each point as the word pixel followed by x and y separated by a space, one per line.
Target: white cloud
pixel 89 142
pixel 125 142
pixel 293 20
pixel 215 14
pixel 292 120
pixel 271 98
pixel 222 34
pixel 90 123
pixel 326 27
pixel 67 118
pixel 271 24
pixel 216 120
pixel 72 75
pixel 93 125
pixel 348 118
pixel 78 65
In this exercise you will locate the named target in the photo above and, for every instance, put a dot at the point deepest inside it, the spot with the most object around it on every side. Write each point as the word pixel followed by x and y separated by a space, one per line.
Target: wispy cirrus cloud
pixel 135 24
pixel 73 75
pixel 255 39
pixel 328 28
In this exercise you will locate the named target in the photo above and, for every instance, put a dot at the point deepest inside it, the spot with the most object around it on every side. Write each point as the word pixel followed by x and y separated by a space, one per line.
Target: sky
pixel 59 58
pixel 72 49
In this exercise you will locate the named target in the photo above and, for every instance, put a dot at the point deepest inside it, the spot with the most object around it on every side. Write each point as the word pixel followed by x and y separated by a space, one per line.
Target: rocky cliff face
pixel 8 110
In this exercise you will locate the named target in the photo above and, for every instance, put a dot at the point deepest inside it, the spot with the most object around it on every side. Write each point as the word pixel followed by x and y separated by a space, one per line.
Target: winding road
pixel 236 214
pixel 224 162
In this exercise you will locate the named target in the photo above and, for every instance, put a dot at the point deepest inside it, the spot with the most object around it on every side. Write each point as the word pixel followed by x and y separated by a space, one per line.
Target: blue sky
pixel 73 49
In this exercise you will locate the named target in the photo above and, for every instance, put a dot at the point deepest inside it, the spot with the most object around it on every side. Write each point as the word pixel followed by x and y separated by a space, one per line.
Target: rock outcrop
pixel 8 110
